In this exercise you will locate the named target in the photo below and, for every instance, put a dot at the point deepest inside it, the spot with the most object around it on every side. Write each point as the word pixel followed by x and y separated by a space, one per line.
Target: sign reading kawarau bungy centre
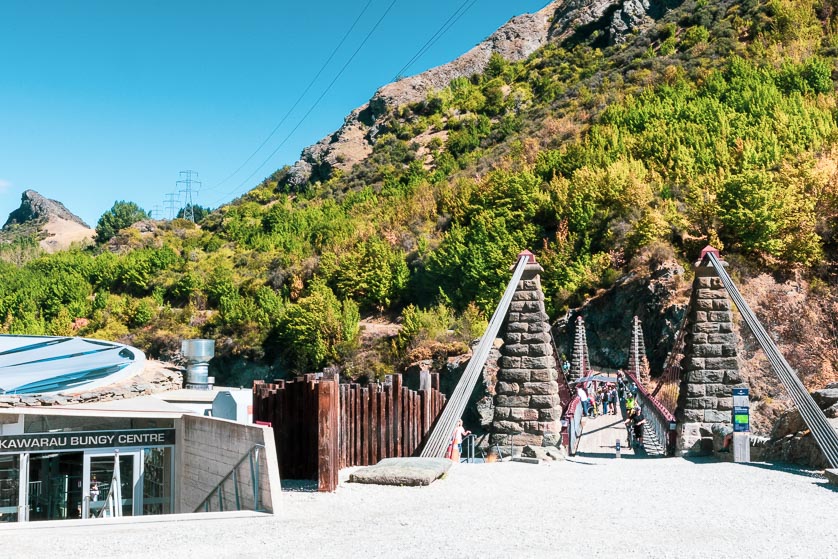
pixel 86 439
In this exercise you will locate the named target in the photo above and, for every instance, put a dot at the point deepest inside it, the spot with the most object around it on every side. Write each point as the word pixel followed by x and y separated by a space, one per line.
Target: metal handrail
pixel 469 455
pixel 254 476
pixel 573 416
pixel 658 417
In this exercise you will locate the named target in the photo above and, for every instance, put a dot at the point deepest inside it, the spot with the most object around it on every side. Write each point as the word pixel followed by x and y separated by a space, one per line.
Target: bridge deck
pixel 600 434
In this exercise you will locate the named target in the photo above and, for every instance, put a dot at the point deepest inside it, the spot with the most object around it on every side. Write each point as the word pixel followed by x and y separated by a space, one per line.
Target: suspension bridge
pixel 687 406
pixel 693 406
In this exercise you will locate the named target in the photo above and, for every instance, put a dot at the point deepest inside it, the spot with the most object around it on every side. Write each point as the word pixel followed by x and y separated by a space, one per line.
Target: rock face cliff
pixel 55 226
pixel 34 207
pixel 658 299
pixel 516 40
pixel 791 441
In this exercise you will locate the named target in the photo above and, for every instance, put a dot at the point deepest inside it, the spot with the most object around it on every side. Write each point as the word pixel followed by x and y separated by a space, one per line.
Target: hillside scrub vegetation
pixel 717 125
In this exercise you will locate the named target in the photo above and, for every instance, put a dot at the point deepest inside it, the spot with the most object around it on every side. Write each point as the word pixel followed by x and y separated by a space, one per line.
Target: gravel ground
pixel 619 508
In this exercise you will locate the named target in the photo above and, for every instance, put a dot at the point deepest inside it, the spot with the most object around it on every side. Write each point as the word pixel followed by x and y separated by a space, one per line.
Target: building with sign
pixel 125 457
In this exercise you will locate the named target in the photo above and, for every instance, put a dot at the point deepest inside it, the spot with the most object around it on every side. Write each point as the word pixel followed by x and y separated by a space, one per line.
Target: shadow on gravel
pixel 827 485
pixel 702 460
pixel 786 468
pixel 604 427
pixel 299 485
pixel 609 455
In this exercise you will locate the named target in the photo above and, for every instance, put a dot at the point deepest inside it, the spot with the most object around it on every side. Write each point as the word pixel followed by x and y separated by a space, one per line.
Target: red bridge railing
pixel 661 419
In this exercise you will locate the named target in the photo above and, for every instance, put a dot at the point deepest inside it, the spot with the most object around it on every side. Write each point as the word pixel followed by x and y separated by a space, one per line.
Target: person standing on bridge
pixel 612 399
pixel 583 397
pixel 630 403
pixel 637 422
pixel 598 402
pixel 621 384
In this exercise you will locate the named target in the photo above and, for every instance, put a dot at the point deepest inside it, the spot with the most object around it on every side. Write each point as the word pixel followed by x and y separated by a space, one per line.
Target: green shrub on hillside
pixel 121 215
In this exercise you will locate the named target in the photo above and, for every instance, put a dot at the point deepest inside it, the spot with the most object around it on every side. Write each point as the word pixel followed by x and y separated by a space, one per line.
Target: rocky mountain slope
pixel 55 227
pixel 516 40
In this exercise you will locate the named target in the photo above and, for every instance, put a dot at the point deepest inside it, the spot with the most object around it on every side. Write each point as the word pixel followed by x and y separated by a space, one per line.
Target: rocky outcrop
pixel 353 142
pixel 561 21
pixel 658 298
pixel 614 20
pixel 568 21
pixel 34 207
pixel 49 220
pixel 480 410
pixel 792 442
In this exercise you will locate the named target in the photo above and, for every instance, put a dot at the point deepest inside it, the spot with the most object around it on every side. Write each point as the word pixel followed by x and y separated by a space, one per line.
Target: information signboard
pixel 741 410
pixel 741 419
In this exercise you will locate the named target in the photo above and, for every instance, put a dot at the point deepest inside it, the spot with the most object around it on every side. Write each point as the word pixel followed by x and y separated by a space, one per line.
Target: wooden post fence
pixel 321 426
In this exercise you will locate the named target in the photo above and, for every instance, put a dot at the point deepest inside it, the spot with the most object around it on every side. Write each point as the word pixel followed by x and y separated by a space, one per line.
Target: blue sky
pixel 108 100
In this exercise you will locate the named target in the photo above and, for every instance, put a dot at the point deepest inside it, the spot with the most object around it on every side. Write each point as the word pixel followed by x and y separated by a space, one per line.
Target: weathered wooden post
pixel 327 443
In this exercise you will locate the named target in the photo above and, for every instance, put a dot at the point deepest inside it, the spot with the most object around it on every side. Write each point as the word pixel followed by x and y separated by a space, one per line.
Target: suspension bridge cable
pixel 822 431
pixel 317 102
pixel 299 99
pixel 441 435
pixel 436 36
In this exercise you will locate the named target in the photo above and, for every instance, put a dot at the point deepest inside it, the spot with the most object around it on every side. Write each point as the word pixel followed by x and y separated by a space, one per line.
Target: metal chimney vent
pixel 198 354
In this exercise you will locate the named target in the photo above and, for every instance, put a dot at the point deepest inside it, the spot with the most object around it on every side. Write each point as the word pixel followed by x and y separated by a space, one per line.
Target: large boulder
pixel 791 441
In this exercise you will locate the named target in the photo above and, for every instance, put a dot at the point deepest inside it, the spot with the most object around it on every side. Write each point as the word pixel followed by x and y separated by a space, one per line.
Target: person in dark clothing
pixel 636 421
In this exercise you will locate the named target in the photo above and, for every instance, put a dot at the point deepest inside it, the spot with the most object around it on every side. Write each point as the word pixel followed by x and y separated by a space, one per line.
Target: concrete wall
pixel 208 449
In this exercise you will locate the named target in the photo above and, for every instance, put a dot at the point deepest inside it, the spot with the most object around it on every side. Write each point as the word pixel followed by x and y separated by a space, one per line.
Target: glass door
pixel 9 487
pixel 112 484
pixel 54 488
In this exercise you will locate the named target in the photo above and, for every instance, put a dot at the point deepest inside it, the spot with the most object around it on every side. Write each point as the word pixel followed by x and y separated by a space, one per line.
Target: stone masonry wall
pixel 527 405
pixel 710 368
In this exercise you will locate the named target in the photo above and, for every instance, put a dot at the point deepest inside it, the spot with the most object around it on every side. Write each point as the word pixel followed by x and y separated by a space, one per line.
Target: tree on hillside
pixel 120 216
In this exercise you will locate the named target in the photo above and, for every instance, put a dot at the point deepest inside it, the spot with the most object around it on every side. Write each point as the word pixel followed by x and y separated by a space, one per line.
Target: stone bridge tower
pixel 527 403
pixel 710 368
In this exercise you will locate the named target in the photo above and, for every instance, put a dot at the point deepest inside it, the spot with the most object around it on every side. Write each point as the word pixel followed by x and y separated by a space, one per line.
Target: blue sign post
pixel 741 410
pixel 741 425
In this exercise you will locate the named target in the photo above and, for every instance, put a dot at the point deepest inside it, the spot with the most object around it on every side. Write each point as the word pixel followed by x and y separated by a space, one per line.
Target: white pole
pixel 117 490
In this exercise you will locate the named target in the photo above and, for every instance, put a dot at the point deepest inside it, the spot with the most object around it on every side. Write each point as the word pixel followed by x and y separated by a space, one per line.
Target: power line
pixel 299 99
pixel 317 102
pixel 187 181
pixel 169 202
pixel 436 36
